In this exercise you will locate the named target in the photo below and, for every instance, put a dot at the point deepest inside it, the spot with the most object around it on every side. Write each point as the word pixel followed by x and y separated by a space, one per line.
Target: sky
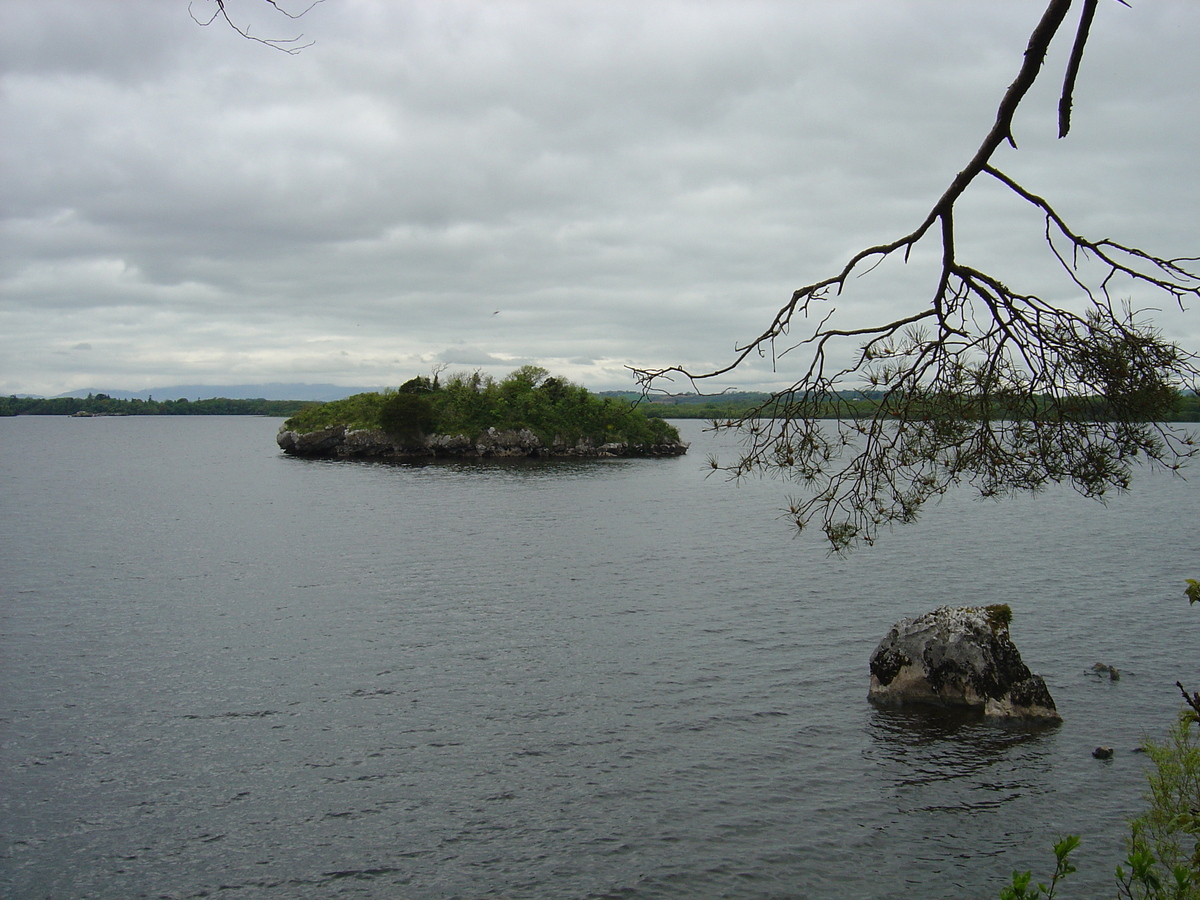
pixel 584 185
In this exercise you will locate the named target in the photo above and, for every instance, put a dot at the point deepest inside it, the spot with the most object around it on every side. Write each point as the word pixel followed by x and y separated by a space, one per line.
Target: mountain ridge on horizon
pixel 275 390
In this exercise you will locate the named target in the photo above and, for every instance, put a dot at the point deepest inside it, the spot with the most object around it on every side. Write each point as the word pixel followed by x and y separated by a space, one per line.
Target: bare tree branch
pixel 1192 699
pixel 987 385
pixel 1068 91
pixel 287 45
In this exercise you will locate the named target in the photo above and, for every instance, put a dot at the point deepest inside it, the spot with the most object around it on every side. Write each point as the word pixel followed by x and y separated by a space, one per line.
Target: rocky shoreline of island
pixel 342 442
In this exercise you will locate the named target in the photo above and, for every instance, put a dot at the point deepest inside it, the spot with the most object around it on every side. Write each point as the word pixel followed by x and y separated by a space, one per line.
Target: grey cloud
pixel 119 40
pixel 627 182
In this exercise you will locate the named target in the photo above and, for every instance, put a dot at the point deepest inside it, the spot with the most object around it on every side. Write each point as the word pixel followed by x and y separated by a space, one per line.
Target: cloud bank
pixel 583 185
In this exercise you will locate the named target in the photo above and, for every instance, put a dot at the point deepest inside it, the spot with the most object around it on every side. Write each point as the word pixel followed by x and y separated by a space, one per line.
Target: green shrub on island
pixel 407 417
pixel 469 404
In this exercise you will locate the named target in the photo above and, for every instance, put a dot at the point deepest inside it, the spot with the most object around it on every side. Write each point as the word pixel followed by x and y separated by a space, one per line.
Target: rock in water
pixel 959 657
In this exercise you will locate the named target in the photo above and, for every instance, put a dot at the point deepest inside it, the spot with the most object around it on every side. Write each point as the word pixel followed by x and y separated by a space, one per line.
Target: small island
pixel 526 414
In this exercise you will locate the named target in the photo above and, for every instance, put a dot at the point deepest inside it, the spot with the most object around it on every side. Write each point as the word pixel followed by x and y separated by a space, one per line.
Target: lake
pixel 229 672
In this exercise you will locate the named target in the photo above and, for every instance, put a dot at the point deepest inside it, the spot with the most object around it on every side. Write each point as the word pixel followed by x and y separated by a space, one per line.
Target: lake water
pixel 230 673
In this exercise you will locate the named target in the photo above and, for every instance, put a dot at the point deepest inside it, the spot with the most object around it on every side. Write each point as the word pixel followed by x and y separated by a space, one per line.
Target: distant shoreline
pixel 104 405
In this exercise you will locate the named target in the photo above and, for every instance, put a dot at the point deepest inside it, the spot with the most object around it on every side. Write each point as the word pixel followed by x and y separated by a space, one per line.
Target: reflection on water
pixel 490 468
pixel 924 727
pixel 938 757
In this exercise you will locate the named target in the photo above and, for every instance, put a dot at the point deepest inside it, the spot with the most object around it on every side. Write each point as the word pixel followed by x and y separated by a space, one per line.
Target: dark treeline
pixel 682 406
pixel 104 405
pixel 735 406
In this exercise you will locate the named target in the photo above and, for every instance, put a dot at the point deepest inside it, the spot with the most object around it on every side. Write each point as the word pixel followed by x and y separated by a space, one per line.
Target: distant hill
pixel 273 391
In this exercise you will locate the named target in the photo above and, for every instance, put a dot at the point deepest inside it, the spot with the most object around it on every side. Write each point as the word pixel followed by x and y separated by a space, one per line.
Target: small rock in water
pixel 1110 671
pixel 959 657
pixel 1103 753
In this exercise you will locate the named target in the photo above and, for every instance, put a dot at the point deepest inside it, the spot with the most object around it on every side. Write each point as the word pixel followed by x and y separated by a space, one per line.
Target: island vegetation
pixel 551 415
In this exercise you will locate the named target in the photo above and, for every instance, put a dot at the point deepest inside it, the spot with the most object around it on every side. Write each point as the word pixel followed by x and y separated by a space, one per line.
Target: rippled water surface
pixel 227 672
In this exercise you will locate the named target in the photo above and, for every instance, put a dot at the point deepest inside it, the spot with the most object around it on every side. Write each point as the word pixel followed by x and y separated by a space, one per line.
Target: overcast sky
pixel 581 185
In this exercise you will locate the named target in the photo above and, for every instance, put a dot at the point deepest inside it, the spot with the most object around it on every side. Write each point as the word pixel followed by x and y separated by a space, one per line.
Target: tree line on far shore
pixel 680 406
pixel 846 404
pixel 104 405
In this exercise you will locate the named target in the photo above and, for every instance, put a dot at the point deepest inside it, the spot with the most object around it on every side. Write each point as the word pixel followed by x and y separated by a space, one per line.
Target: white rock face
pixel 958 657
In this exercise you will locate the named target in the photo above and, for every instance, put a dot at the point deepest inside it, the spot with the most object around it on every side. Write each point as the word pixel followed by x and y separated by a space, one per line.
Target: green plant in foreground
pixel 1164 842
pixel 1142 880
pixel 1020 889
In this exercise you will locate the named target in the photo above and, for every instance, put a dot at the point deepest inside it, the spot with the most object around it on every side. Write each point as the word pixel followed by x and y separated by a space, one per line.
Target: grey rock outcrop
pixel 312 443
pixel 958 657
pixel 338 442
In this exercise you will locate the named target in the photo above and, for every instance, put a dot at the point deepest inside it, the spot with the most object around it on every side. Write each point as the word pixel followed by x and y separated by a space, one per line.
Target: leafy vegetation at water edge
pixel 1163 862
